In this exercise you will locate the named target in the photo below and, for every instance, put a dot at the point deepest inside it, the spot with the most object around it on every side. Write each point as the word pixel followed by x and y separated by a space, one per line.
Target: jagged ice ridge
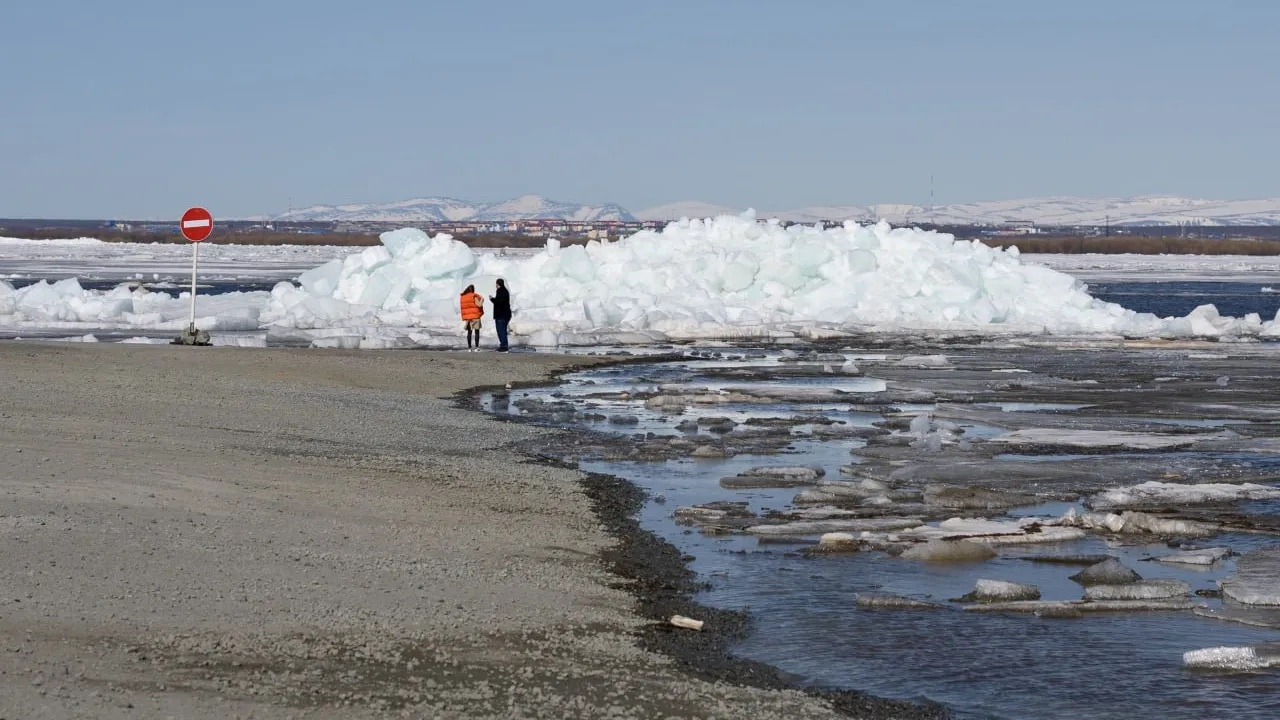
pixel 729 277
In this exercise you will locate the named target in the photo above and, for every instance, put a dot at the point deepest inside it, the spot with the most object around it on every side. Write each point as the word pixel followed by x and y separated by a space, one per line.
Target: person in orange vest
pixel 472 306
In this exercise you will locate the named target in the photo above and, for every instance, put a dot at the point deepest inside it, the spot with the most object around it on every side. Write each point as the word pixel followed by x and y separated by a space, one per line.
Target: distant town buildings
pixel 534 227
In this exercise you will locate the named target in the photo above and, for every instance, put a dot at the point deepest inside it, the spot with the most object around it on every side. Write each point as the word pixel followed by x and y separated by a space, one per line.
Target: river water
pixel 981 665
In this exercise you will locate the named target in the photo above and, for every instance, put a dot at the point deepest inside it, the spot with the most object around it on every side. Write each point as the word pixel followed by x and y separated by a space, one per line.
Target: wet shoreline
pixel 659 577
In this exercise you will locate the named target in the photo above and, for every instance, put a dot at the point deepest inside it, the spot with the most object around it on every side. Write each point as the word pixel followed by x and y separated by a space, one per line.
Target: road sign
pixel 197 224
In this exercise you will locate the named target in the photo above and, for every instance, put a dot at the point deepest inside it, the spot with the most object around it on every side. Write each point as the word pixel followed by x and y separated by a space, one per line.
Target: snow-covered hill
pixel 442 209
pixel 691 209
pixel 1147 210
pixel 534 206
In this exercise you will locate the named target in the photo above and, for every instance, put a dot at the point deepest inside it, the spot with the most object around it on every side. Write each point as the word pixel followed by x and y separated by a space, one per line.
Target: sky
pixel 140 108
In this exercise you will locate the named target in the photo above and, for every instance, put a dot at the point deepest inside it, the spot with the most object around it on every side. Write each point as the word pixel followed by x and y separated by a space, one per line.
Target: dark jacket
pixel 501 304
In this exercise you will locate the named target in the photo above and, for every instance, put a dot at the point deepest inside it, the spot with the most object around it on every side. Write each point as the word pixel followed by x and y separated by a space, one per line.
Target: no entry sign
pixel 197 224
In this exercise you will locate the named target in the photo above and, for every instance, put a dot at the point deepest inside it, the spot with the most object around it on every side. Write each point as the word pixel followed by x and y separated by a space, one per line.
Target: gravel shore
pixel 297 533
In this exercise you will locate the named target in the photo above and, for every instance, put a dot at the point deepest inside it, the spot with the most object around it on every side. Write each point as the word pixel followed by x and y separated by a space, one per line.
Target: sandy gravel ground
pixel 220 533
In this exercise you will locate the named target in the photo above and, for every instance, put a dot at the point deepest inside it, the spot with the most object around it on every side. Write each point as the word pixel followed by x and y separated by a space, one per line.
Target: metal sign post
pixel 195 260
pixel 197 224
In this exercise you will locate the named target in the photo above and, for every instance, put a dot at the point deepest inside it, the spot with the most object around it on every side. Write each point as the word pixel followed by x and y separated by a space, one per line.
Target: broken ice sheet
pixel 1155 493
pixel 1257 578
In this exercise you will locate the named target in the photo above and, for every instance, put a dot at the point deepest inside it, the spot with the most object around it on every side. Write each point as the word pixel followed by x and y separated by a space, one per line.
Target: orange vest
pixel 470 305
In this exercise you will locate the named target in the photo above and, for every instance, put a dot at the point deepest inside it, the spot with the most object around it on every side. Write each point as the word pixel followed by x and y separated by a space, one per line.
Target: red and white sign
pixel 197 224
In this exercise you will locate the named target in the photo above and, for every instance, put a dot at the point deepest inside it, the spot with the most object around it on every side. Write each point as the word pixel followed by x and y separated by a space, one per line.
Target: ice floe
pixel 885 601
pixel 985 590
pixel 996 532
pixel 818 527
pixel 1257 578
pixel 1247 657
pixel 1155 492
pixel 1094 439
pixel 1140 590
pixel 1073 607
pixel 949 551
pixel 1201 558
pixel 1133 523
pixel 1108 572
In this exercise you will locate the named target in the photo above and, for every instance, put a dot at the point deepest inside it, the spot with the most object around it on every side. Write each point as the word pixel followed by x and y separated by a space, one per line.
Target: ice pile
pixel 65 304
pixel 27 243
pixel 731 276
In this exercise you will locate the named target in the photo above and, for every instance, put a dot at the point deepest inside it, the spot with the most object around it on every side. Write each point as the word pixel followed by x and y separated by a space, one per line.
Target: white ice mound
pixel 731 276
pixel 80 241
pixel 67 305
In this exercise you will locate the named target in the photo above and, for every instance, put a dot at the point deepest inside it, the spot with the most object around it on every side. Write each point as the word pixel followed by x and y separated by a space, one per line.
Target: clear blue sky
pixel 140 108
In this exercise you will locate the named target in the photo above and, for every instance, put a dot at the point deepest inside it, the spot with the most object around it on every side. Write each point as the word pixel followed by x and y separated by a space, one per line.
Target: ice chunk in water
pixel 1130 522
pixel 819 527
pixel 1094 439
pixel 1000 591
pixel 1142 590
pixel 950 551
pixel 1108 572
pixel 1206 556
pixel 973 498
pixel 1051 608
pixel 1257 578
pixel 837 542
pixel 998 532
pixel 884 601
pixel 1153 492
pixel 1247 657
pixel 920 425
pixel 798 472
pixel 924 361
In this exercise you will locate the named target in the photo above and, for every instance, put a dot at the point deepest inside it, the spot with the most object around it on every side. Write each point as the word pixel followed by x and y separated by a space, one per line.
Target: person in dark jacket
pixel 501 313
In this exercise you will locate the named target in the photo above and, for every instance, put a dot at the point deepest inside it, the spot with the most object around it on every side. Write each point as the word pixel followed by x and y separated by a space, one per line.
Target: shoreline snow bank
pixel 61 242
pixel 66 305
pixel 731 277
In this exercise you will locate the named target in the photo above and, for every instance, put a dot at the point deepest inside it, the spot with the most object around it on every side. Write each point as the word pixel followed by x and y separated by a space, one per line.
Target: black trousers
pixel 501 325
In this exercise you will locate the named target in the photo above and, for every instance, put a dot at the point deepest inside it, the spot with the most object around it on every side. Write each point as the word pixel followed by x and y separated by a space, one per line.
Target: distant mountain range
pixel 1147 210
pixel 442 209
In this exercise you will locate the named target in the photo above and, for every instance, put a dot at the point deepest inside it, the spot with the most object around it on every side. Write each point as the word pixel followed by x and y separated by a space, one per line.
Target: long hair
pixel 470 289
pixel 501 283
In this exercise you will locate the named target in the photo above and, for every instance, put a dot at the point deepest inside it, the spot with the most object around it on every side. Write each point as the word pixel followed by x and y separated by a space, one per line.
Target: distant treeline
pixel 1067 245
